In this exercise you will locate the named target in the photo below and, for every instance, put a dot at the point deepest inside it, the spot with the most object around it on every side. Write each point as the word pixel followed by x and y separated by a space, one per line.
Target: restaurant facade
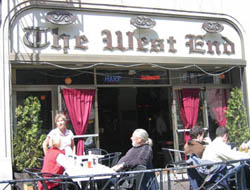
pixel 146 68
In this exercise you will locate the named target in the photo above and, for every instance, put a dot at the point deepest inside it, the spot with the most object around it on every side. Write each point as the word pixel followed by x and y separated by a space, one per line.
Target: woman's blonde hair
pixel 60 115
pixel 143 134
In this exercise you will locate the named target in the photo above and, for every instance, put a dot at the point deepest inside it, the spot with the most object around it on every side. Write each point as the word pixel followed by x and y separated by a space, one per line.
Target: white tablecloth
pixel 78 170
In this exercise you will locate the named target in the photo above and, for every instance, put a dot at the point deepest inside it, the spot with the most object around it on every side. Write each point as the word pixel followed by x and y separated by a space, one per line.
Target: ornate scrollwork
pixel 212 27
pixel 60 17
pixel 143 22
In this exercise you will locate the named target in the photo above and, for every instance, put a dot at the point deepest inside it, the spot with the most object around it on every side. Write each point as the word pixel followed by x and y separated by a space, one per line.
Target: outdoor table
pixel 77 167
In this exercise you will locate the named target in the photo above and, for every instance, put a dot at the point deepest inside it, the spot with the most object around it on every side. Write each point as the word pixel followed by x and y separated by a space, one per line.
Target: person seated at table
pixel 218 150
pixel 66 135
pixel 196 145
pixel 139 154
pixel 53 161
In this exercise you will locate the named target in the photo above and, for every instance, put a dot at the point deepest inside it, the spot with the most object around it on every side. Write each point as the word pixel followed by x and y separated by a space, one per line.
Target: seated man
pixel 139 154
pixel 218 150
pixel 196 145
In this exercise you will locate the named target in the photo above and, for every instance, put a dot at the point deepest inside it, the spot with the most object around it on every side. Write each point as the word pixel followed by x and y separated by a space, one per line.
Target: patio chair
pixel 98 151
pixel 62 184
pixel 110 159
pixel 175 159
pixel 208 175
pixel 131 181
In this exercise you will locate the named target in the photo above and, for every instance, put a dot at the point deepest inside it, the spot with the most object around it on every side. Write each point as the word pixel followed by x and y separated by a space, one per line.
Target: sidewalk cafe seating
pixel 64 183
pixel 136 179
pixel 175 159
pixel 110 159
pixel 131 181
pixel 209 175
pixel 98 151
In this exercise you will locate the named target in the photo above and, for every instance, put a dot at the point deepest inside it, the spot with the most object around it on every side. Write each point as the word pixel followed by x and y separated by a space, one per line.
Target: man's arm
pixel 229 154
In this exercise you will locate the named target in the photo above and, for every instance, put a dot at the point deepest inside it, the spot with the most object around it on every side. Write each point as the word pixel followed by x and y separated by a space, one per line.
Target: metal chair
pixel 110 159
pixel 131 181
pixel 209 175
pixel 62 182
pixel 175 158
pixel 98 151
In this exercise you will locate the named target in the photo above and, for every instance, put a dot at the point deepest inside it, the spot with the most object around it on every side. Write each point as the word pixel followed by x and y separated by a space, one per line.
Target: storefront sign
pixel 195 44
pixel 83 33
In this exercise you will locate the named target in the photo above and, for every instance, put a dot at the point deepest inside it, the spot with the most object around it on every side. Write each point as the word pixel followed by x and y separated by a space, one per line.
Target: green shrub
pixel 28 139
pixel 237 118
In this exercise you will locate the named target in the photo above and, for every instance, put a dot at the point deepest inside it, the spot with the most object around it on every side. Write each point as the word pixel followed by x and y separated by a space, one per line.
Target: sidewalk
pixel 177 181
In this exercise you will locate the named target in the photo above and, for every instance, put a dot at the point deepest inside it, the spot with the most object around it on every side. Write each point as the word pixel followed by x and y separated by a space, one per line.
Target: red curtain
pixel 79 103
pixel 217 102
pixel 189 109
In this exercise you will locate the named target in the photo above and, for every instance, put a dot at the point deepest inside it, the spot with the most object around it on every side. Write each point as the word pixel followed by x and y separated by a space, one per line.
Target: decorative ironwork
pixel 142 22
pixel 212 27
pixel 60 17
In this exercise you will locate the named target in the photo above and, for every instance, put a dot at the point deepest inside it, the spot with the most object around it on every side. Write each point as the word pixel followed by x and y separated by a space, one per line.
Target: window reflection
pixel 217 105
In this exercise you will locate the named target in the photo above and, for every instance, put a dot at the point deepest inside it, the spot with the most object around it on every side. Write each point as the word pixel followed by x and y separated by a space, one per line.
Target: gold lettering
pixel 194 43
pixel 228 43
pixel 55 39
pixel 65 38
pixel 130 40
pixel 119 41
pixel 141 43
pixel 171 41
pixel 107 39
pixel 210 47
pixel 157 45
pixel 81 40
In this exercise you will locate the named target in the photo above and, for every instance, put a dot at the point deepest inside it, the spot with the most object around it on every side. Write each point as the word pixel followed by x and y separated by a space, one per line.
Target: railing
pixel 163 175
pixel 13 183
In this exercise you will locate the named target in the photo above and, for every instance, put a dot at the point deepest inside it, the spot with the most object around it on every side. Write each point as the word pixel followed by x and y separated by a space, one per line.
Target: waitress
pixel 66 135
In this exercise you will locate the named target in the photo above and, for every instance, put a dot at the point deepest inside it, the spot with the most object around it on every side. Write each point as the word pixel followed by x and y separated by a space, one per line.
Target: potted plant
pixel 28 139
pixel 237 119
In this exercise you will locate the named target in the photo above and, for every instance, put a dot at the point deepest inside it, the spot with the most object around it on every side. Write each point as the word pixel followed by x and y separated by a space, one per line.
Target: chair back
pixel 174 157
pixel 126 182
pixel 206 175
pixel 32 172
pixel 50 183
pixel 110 159
pixel 132 181
pixel 98 151
pixel 139 176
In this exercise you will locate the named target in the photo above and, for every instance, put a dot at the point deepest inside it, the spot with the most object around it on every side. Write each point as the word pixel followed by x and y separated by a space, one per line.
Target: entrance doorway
pixel 122 110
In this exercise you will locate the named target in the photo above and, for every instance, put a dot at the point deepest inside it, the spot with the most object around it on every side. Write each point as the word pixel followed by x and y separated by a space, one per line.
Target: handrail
pixel 92 176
